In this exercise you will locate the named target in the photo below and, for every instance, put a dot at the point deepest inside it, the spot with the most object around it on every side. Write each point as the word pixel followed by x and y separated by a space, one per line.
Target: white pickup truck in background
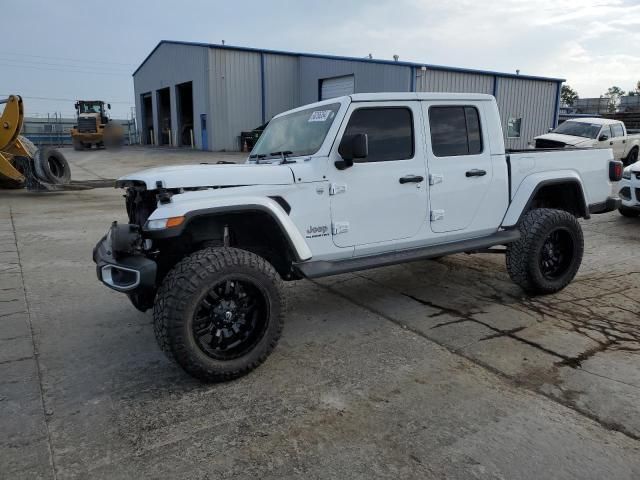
pixel 593 133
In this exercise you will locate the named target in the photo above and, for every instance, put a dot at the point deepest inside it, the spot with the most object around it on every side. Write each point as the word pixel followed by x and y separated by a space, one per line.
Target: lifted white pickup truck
pixel 342 185
pixel 594 133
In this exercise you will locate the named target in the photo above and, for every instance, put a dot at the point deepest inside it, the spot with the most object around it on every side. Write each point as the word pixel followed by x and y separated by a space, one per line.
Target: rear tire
pixel 219 313
pixel 548 255
pixel 629 212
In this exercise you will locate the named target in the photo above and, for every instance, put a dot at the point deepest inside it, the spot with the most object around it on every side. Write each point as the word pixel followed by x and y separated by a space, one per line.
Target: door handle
pixel 411 179
pixel 476 173
pixel 610 143
pixel 624 141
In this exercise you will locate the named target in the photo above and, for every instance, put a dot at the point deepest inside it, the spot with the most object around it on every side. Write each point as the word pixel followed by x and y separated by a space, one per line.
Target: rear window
pixel 455 131
pixel 617 131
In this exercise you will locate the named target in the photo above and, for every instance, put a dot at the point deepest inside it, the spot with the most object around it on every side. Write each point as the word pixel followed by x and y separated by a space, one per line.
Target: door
pixel 619 141
pixel 382 197
pixel 336 87
pixel 605 138
pixel 459 163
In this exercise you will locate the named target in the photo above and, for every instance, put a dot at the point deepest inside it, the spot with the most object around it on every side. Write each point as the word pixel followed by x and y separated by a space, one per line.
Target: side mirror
pixel 550 129
pixel 603 137
pixel 109 106
pixel 352 147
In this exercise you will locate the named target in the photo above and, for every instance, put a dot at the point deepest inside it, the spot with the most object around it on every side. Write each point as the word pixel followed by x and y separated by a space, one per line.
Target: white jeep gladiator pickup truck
pixel 338 186
pixel 593 133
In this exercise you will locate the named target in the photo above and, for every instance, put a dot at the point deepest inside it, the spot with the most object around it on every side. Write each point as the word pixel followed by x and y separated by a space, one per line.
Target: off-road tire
pixel 183 288
pixel 524 256
pixel 629 212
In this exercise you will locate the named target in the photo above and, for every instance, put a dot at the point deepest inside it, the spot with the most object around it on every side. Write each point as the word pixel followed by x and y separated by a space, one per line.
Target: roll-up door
pixel 337 87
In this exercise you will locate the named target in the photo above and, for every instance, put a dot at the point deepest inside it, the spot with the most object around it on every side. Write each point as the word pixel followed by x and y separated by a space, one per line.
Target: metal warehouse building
pixel 209 94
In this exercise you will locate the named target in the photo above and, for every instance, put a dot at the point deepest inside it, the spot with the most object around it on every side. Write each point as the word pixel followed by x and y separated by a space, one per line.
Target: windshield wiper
pixel 257 156
pixel 283 155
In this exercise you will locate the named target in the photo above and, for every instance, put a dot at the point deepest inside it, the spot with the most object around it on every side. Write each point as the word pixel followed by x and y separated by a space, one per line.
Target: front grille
pixel 86 125
pixel 625 193
pixel 544 143
pixel 140 205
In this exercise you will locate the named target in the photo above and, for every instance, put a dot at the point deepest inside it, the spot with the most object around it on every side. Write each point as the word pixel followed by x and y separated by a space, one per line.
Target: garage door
pixel 336 87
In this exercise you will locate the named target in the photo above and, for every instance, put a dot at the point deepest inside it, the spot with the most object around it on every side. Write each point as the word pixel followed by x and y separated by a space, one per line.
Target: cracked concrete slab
pixel 438 369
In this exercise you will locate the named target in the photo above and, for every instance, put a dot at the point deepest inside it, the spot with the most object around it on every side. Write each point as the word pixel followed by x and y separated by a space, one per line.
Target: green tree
pixel 613 94
pixel 636 91
pixel 568 95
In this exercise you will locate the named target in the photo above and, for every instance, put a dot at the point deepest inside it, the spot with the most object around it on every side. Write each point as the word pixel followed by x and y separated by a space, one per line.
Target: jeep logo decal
pixel 317 231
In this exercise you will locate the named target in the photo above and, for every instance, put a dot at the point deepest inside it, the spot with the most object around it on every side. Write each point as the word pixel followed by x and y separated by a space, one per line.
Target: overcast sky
pixel 63 50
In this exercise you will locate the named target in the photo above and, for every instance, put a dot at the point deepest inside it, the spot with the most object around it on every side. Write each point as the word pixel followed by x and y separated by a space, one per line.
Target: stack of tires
pixel 44 169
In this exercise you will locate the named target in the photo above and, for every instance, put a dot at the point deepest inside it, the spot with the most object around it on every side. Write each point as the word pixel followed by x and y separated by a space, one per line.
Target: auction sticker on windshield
pixel 320 115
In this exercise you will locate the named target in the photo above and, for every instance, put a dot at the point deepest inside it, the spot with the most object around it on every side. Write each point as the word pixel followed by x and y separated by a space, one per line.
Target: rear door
pixel 619 141
pixel 459 162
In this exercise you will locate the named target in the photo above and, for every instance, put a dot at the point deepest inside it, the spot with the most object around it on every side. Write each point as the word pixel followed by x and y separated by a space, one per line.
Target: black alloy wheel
pixel 230 319
pixel 557 254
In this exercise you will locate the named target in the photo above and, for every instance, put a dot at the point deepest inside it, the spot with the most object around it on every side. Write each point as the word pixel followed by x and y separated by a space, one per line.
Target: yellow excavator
pixel 21 162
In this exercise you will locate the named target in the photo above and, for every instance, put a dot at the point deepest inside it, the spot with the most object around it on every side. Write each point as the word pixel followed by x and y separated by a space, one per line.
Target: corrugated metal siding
pixel 170 65
pixel 236 98
pixel 281 84
pixel 369 77
pixel 532 100
pixel 443 81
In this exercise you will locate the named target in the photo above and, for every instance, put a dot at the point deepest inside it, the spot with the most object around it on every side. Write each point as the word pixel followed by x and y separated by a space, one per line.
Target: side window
pixel 455 131
pixel 617 131
pixel 514 127
pixel 606 130
pixel 389 131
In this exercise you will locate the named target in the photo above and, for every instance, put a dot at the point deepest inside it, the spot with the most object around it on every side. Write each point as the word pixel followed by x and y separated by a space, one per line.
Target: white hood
pixel 568 139
pixel 193 176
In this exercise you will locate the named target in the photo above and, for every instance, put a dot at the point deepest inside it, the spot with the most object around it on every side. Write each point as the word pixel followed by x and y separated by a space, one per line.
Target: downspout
pixel 412 83
pixel 262 89
pixel 556 110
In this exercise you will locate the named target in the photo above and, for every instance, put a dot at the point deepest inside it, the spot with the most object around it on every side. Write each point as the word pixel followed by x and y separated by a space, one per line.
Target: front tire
pixel 548 255
pixel 219 313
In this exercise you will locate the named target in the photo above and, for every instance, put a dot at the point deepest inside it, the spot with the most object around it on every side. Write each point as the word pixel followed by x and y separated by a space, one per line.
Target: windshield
pixel 578 129
pixel 296 134
pixel 90 108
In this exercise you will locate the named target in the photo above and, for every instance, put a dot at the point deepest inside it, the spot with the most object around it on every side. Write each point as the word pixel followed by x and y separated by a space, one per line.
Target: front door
pixel 382 197
pixel 459 163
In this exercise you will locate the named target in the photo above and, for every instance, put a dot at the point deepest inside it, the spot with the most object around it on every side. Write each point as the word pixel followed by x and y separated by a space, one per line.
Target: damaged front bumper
pixel 118 265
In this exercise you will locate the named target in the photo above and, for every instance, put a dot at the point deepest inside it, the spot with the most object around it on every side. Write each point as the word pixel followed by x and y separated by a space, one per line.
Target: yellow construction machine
pixel 94 127
pixel 21 162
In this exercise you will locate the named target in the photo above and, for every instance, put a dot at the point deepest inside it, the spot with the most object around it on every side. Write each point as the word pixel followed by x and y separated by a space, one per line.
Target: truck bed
pixel 590 165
